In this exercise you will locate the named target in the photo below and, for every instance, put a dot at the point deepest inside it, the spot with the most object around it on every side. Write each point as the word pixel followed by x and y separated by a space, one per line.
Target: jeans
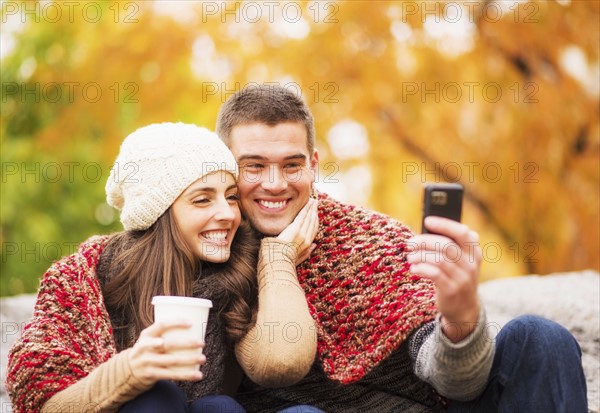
pixel 166 397
pixel 537 368
pixel 301 409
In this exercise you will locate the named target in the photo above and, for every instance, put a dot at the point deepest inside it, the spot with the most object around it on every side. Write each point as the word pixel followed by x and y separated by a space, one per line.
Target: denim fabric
pixel 216 404
pixel 166 397
pixel 537 368
pixel 301 409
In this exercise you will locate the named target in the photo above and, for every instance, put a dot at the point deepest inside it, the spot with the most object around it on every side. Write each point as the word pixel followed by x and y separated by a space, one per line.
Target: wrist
pixel 457 330
pixel 273 248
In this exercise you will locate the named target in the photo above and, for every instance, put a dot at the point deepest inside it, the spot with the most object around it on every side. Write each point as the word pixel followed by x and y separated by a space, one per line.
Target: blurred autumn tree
pixel 500 96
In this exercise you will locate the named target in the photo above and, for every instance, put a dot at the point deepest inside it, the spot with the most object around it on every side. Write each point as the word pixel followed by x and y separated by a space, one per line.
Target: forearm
pixel 279 350
pixel 457 370
pixel 104 390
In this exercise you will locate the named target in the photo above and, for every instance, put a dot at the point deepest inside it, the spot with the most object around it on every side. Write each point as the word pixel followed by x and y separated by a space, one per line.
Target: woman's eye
pixel 201 201
pixel 233 197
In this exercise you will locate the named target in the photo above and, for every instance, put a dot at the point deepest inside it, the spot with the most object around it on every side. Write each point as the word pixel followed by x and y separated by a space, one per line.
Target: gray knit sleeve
pixel 460 370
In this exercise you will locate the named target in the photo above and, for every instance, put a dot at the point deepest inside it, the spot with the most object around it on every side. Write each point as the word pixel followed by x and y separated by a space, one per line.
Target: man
pixel 399 324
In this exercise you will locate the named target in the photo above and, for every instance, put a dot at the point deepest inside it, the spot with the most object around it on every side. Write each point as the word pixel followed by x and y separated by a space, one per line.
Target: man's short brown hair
pixel 267 104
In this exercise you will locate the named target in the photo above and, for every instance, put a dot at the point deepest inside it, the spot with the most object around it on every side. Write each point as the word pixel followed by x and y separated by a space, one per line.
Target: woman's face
pixel 208 215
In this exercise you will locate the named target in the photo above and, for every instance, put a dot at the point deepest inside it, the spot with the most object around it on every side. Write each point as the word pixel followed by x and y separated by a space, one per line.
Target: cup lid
pixel 173 299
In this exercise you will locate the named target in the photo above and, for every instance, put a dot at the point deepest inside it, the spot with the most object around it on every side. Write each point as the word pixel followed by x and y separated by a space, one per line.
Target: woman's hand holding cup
pixel 156 357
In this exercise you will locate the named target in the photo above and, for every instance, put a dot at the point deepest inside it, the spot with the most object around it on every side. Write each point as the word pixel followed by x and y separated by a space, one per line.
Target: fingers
pixel 159 328
pixel 302 231
pixel 154 337
pixel 442 252
pixel 305 218
pixel 305 211
pixel 450 258
pixel 309 224
pixel 174 356
pixel 313 221
pixel 456 243
pixel 178 359
pixel 300 221
pixel 305 254
pixel 166 367
pixel 458 232
pixel 167 344
pixel 153 375
pixel 451 281
pixel 157 355
pixel 308 231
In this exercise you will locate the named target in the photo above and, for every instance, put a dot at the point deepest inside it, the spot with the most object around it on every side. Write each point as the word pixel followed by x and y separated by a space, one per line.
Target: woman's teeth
pixel 215 235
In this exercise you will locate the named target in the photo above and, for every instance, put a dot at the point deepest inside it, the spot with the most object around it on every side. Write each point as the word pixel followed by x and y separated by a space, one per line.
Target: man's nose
pixel 275 180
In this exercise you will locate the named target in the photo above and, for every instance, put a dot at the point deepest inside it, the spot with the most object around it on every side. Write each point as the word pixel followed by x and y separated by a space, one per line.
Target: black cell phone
pixel 442 200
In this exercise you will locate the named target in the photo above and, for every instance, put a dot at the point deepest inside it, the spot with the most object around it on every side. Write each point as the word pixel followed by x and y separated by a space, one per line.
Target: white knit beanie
pixel 156 163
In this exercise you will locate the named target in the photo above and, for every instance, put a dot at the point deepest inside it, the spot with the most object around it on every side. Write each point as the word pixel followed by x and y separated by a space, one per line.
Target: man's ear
pixel 314 163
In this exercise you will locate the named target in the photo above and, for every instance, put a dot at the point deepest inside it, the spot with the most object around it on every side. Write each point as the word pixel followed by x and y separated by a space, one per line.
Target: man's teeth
pixel 215 235
pixel 269 204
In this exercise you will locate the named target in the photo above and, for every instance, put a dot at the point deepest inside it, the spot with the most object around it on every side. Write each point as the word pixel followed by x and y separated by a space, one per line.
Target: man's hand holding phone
pixel 450 256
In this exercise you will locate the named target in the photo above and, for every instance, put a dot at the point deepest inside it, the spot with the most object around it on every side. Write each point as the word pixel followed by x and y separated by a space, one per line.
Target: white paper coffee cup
pixel 193 310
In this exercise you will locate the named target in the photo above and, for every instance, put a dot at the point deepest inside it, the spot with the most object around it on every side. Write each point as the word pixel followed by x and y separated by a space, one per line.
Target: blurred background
pixel 501 96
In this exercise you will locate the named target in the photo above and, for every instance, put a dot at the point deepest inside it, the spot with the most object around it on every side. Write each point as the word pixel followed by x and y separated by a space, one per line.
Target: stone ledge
pixel 570 299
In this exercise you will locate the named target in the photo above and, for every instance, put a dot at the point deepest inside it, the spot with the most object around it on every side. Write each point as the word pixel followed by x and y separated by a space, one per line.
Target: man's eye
pixel 294 165
pixel 252 168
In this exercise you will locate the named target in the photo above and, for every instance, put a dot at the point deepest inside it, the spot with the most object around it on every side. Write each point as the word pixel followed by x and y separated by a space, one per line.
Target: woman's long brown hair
pixel 158 261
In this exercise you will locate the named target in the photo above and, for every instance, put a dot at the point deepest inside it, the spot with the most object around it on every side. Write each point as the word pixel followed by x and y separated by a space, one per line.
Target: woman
pixel 92 344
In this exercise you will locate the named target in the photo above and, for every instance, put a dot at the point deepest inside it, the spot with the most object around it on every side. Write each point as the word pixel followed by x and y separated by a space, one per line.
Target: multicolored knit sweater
pixel 379 348
pixel 365 303
pixel 70 331
pixel 359 289
pixel 67 358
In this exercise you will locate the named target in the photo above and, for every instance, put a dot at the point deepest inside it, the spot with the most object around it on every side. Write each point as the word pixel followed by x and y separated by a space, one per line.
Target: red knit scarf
pixel 360 293
pixel 70 333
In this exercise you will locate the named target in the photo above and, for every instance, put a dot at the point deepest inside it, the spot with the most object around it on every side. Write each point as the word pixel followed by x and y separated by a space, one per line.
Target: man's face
pixel 276 173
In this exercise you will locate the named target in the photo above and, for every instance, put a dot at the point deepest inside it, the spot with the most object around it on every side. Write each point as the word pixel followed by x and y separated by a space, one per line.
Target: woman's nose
pixel 225 211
